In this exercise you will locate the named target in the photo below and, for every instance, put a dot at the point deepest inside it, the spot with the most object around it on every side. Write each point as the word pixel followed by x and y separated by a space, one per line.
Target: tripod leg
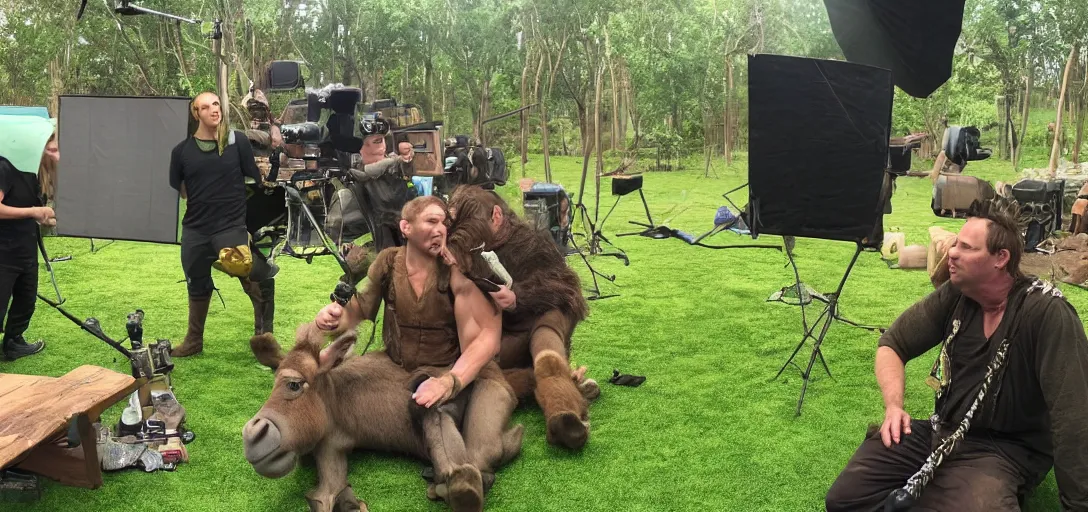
pixel 647 207
pixel 807 335
pixel 812 361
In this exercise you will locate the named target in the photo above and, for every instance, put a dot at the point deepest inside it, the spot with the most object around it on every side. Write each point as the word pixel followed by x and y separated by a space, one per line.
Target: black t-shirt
pixel 18 237
pixel 214 184
pixel 1035 413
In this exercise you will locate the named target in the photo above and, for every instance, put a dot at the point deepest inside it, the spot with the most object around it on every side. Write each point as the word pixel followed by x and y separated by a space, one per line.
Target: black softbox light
pixel 819 133
pixel 915 39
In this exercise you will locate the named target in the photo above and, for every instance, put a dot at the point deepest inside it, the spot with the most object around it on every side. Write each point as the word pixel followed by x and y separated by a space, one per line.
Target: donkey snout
pixel 261 437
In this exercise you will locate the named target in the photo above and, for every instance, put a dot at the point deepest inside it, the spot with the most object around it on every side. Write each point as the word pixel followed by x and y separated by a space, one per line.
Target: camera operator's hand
pixel 896 424
pixel 505 298
pixel 407 157
pixel 44 215
pixel 328 318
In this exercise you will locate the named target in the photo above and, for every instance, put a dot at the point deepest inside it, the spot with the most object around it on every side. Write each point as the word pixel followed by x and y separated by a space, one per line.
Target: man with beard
pixel 438 323
pixel 541 309
pixel 209 170
pixel 1011 383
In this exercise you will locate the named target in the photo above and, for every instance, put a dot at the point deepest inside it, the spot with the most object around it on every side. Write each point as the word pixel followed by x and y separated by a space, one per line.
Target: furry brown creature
pixel 329 402
pixel 537 330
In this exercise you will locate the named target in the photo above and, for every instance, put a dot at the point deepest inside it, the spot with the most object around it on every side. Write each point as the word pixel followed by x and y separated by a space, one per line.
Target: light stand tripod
pixel 593 234
pixel 826 316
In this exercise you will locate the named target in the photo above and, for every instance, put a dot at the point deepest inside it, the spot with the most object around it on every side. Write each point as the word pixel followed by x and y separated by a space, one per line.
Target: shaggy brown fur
pixel 328 402
pixel 537 333
pixel 542 279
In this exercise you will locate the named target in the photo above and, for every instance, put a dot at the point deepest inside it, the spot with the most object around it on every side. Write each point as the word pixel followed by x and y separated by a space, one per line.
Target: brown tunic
pixel 417 331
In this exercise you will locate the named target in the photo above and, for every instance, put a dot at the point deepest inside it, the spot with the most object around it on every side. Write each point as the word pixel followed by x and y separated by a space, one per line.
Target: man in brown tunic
pixel 438 323
pixel 1011 383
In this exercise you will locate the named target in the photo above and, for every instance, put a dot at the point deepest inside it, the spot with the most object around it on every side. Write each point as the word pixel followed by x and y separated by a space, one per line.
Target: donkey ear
pixel 337 352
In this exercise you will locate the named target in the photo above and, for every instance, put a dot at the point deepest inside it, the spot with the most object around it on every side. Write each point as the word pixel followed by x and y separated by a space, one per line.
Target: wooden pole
pixel 1055 151
pixel 221 76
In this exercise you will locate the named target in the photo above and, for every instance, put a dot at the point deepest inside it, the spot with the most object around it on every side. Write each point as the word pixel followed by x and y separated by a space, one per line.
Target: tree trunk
pixel 1025 114
pixel 428 87
pixel 728 123
pixel 1080 130
pixel 597 137
pixel 523 119
pixel 1082 111
pixel 553 68
pixel 1056 151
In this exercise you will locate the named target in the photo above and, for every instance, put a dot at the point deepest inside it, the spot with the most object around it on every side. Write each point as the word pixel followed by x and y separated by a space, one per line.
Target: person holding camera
pixel 28 160
pixel 209 170
pixel 386 181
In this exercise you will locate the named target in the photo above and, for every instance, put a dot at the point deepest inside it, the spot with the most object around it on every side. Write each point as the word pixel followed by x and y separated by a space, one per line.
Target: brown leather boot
pixel 263 296
pixel 194 339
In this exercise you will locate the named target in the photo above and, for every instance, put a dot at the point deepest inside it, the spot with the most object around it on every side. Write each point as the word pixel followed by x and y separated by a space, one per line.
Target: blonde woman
pixel 29 154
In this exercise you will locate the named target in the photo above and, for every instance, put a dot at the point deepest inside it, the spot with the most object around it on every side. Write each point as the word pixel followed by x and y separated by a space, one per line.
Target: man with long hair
pixel 1011 384
pixel 438 322
pixel 209 169
pixel 28 160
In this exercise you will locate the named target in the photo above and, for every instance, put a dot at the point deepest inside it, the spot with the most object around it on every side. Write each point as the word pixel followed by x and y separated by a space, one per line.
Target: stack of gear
pixel 468 162
pixel 151 433
pixel 1041 207
pixel 548 208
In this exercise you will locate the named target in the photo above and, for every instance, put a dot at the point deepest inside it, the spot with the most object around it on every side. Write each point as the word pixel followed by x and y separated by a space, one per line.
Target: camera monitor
pixel 819 134
pixel 115 178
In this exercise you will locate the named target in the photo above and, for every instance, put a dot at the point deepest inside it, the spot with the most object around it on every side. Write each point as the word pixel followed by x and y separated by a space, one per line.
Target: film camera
pixel 469 162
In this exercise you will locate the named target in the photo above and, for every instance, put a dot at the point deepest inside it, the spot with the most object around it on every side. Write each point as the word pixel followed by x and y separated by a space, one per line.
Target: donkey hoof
pixel 347 502
pixel 568 430
pixel 590 390
pixel 465 489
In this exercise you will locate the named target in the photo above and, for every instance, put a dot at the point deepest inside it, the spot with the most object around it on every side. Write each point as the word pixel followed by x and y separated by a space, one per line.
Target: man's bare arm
pixel 364 305
pixel 891 377
pixel 479 328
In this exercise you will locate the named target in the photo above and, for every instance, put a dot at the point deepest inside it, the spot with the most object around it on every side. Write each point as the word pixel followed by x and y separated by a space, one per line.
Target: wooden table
pixel 34 411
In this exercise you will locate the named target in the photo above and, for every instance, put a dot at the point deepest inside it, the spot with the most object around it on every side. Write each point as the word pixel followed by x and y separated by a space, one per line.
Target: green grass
pixel 709 429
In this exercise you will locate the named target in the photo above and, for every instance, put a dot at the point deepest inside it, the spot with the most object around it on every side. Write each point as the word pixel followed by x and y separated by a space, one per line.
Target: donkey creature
pixel 329 402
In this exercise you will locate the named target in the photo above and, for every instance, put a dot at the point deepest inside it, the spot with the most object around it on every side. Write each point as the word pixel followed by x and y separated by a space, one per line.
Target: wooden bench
pixel 35 411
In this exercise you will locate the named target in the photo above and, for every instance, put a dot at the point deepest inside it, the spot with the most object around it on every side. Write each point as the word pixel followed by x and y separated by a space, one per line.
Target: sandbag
pixel 940 241
pixel 912 256
pixel 953 194
pixel 893 243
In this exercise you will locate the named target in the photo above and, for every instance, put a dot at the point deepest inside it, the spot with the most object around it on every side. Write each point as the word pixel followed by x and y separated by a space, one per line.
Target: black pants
pixel 19 288
pixel 200 250
pixel 977 477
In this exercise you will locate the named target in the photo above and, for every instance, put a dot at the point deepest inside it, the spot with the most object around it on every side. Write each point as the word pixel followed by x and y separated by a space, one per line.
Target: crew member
pixel 1011 383
pixel 209 169
pixel 437 318
pixel 386 181
pixel 29 154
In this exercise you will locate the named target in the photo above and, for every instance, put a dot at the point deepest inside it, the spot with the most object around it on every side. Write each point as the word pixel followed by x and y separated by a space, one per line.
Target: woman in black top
pixel 22 199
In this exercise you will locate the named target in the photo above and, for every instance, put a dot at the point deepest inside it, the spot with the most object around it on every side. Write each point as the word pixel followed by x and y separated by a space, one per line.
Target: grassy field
pixel 708 430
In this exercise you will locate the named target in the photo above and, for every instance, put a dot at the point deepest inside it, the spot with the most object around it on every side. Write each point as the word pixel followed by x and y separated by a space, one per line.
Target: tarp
pixel 13 110
pixel 23 138
pixel 915 40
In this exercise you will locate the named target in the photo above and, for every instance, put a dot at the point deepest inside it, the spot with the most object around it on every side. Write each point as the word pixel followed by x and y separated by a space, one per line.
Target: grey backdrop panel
pixel 114 177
